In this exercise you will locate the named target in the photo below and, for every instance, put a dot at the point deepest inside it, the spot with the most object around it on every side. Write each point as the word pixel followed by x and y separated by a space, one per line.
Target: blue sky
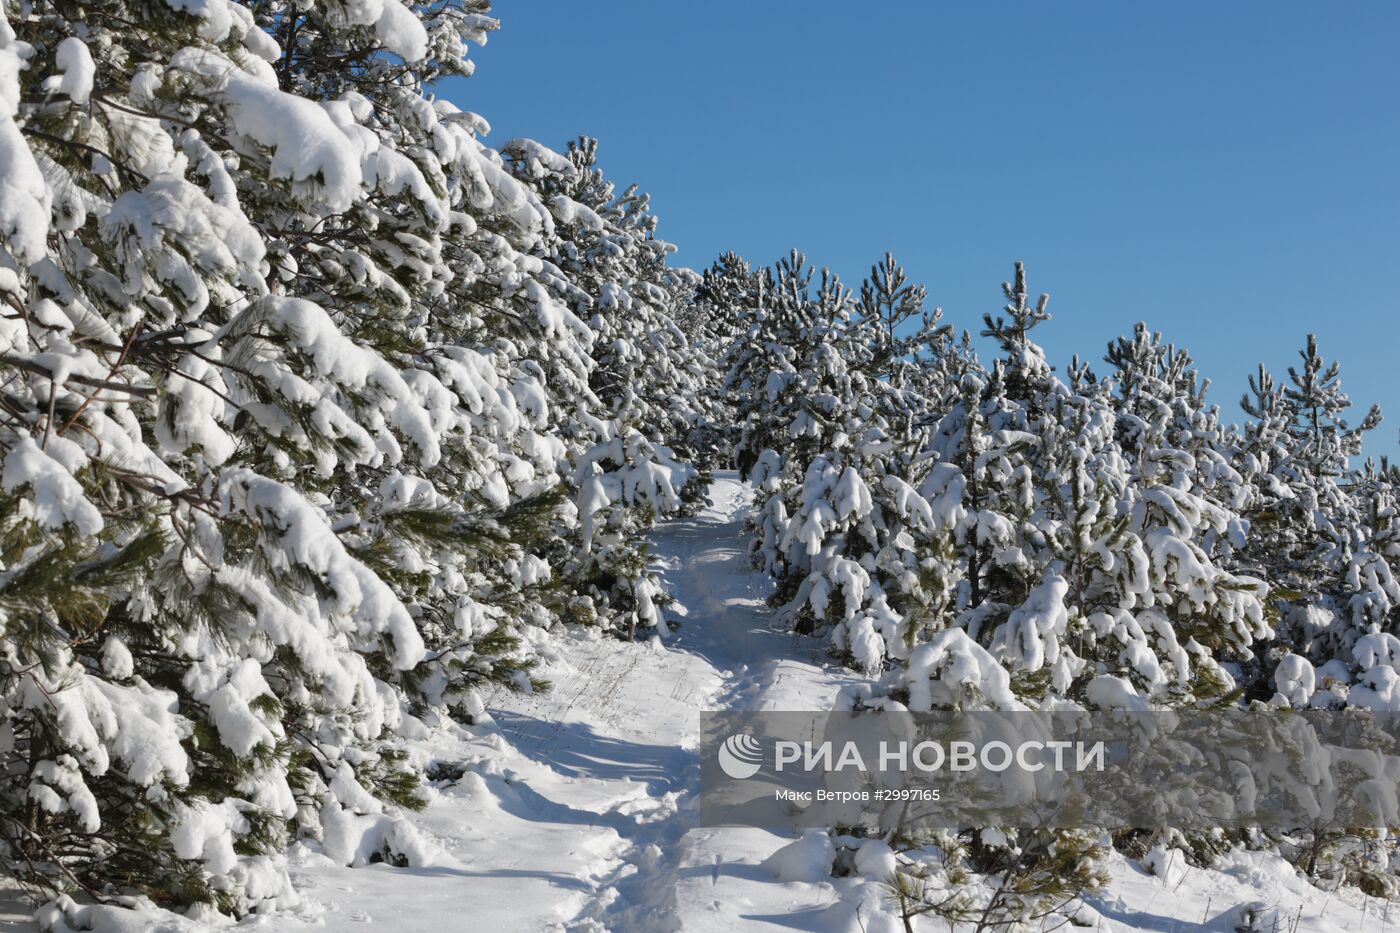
pixel 1228 172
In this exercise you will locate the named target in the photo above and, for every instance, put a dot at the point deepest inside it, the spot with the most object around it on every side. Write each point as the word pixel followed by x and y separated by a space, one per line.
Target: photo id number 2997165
pixel 899 794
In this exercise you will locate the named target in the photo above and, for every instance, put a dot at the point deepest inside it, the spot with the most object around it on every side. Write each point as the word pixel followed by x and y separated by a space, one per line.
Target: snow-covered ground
pixel 576 812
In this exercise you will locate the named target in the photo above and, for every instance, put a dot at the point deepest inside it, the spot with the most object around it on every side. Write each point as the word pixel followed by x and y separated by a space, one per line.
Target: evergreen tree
pixel 726 299
pixel 839 437
pixel 644 382
pixel 1092 553
pixel 1333 590
pixel 293 388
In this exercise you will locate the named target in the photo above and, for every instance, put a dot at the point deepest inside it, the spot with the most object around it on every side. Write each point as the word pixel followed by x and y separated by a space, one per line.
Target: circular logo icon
pixel 740 756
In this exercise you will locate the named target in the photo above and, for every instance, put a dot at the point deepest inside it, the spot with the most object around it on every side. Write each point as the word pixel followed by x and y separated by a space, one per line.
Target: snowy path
pixel 637 717
pixel 581 818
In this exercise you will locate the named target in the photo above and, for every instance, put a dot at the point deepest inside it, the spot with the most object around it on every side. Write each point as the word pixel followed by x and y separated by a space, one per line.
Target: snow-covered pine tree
pixel 174 398
pixel 1089 570
pixel 647 374
pixel 290 393
pixel 1187 496
pixel 1334 589
pixel 765 345
pixel 726 298
pixel 1371 586
pixel 1093 556
pixel 643 385
pixel 779 365
pixel 725 302
pixel 1316 402
pixel 835 443
pixel 1013 465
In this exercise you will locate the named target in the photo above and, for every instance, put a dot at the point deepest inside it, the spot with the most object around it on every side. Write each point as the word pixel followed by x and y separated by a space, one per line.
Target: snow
pixel 1029 639
pixel 1167 864
pixel 1295 679
pixel 59 788
pixel 193 409
pixel 573 809
pixel 875 860
pixel 304 536
pixel 401 31
pixel 171 232
pixel 341 360
pixel 146 733
pixel 227 689
pixel 57 497
pixel 308 146
pixel 24 197
pixel 538 159
pixel 1108 691
pixel 217 17
pixel 202 832
pixel 951 669
pixel 76 62
pixel 116 658
pixel 809 859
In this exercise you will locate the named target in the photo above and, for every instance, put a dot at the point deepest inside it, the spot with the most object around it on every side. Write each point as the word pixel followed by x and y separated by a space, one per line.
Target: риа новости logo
pixel 741 756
